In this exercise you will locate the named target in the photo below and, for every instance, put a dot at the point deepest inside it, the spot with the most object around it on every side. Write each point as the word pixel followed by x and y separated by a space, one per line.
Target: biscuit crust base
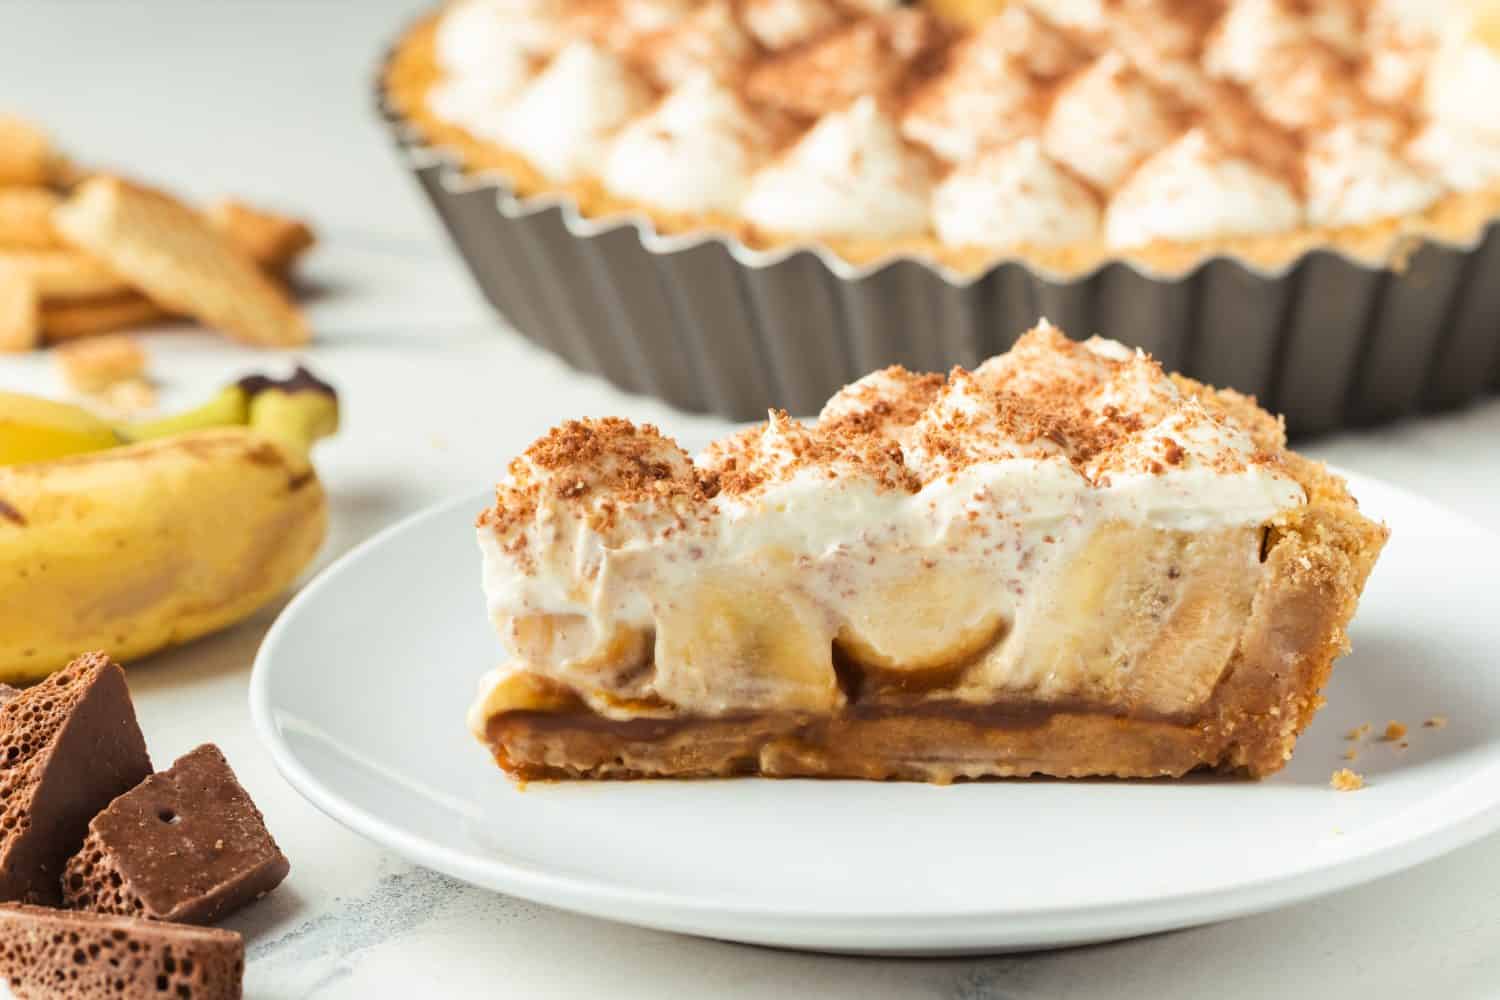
pixel 1317 558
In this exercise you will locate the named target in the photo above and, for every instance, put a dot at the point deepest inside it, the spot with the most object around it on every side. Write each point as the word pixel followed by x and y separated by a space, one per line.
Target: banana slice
pixel 933 619
pixel 768 641
pixel 1139 617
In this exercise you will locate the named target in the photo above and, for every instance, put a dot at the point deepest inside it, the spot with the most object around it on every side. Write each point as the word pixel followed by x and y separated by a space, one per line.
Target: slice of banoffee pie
pixel 1063 562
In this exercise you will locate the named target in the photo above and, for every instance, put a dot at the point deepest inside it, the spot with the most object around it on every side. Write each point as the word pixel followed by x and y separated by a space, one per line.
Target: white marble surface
pixel 269 100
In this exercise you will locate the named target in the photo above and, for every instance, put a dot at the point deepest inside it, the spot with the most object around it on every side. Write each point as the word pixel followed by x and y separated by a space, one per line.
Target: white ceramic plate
pixel 360 688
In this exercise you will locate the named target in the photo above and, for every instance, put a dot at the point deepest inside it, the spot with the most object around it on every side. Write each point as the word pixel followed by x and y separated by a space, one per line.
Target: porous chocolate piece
pixel 186 844
pixel 64 955
pixel 67 747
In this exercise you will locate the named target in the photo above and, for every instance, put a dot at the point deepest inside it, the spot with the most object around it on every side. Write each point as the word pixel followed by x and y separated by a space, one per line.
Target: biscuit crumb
pixel 1345 780
pixel 1358 732
pixel 1436 722
pixel 1393 731
pixel 94 364
pixel 1402 745
pixel 1352 753
pixel 128 399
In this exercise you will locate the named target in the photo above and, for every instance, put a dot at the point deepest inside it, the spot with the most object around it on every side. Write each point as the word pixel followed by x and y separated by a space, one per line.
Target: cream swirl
pixel 1463 87
pixel 486 49
pixel 1105 121
pixel 472 34
pixel 1192 190
pixel 563 119
pixel 709 40
pixel 780 24
pixel 1465 159
pixel 1013 195
pixel 850 176
pixel 1354 175
pixel 694 152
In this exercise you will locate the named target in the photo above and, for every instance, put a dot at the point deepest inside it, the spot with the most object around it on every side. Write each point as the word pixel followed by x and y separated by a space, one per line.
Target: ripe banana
pixel 35 430
pixel 133 548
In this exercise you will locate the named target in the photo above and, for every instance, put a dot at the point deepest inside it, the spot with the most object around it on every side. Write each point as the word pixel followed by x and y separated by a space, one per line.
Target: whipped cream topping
pixel 1105 121
pixel 1192 190
pixel 1248 34
pixel 888 123
pixel 1465 159
pixel 472 34
pixel 694 153
pixel 1354 175
pixel 1086 16
pixel 633 19
pixel 1014 195
pixel 1252 31
pixel 653 570
pixel 480 101
pixel 563 119
pixel 986 96
pixel 709 40
pixel 1403 38
pixel 780 24
pixel 1463 87
pixel 486 49
pixel 850 176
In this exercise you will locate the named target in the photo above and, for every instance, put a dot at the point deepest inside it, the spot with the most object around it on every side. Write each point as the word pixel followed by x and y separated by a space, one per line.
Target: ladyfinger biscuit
pixel 274 241
pixel 64 274
pixel 26 218
pixel 93 364
pixel 69 320
pixel 179 260
pixel 19 328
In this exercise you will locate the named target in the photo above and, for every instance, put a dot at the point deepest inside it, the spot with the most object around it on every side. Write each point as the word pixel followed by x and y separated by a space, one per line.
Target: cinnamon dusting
pixel 1049 398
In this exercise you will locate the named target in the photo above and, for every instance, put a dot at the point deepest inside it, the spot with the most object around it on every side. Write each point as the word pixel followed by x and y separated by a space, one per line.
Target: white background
pixel 270 101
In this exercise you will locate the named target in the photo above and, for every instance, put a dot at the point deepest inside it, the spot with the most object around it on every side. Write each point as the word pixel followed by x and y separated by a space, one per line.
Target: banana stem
pixel 297 411
pixel 230 408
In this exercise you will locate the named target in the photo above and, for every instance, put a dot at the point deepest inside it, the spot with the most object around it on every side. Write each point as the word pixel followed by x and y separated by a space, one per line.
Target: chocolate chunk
pixel 67 747
pixel 186 845
pixel 63 955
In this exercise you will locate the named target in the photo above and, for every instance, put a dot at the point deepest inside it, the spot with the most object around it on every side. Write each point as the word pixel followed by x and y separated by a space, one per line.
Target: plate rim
pixel 676 911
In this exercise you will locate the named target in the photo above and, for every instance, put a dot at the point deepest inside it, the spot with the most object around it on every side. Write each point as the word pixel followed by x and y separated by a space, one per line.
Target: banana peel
pixel 36 430
pixel 134 548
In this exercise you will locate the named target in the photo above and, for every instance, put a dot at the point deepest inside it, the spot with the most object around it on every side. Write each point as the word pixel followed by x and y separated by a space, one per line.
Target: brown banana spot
pixel 10 513
pixel 264 454
pixel 297 482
